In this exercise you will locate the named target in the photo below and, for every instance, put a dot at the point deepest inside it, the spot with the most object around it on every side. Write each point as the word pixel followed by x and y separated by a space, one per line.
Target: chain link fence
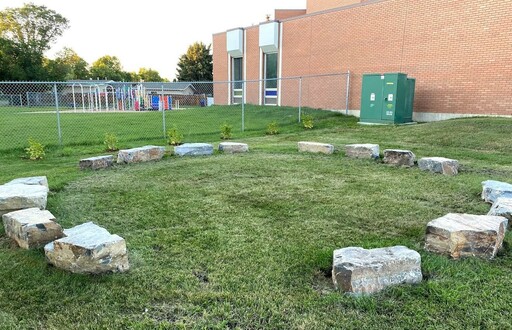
pixel 82 112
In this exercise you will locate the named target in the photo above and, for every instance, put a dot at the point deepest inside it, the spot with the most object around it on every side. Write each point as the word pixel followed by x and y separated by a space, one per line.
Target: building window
pixel 270 79
pixel 237 77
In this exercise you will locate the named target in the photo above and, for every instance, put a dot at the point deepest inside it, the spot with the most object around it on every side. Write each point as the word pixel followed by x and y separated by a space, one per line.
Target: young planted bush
pixel 273 128
pixel 174 136
pixel 307 121
pixel 35 150
pixel 226 132
pixel 111 142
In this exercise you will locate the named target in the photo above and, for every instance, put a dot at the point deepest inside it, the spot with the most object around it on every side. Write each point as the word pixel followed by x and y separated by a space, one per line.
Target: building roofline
pixel 327 11
pixel 332 10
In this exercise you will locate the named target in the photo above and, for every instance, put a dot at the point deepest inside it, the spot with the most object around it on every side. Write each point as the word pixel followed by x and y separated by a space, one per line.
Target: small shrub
pixel 307 121
pixel 35 150
pixel 111 141
pixel 174 137
pixel 273 128
pixel 225 132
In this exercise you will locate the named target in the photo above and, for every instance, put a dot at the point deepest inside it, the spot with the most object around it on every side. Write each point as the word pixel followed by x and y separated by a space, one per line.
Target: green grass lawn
pixel 18 124
pixel 245 241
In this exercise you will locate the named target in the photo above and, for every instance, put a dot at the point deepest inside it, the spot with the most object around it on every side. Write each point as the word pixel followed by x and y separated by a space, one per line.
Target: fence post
pixel 243 106
pixel 163 109
pixel 300 97
pixel 58 112
pixel 347 92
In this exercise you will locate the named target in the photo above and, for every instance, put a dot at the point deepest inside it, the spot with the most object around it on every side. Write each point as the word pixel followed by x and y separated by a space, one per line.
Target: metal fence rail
pixel 82 112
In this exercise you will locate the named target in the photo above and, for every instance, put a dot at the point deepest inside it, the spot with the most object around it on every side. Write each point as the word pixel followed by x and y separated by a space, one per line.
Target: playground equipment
pixel 119 97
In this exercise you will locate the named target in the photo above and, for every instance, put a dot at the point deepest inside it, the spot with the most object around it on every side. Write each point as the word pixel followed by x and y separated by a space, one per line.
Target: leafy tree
pixel 56 70
pixel 25 33
pixel 150 75
pixel 109 67
pixel 76 66
pixel 32 27
pixel 196 64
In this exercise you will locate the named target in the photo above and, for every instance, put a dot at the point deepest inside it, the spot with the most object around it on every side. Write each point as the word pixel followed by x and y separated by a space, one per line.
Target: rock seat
pixel 89 249
pixel 32 227
pixel 360 271
pixel 466 235
pixel 315 147
pixel 139 155
pixel 194 149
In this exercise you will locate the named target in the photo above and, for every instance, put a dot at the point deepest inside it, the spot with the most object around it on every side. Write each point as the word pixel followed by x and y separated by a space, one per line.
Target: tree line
pixel 27 32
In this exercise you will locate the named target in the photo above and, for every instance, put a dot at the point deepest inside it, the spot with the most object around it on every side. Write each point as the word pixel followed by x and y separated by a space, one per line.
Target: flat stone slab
pixel 96 163
pixel 233 147
pixel 32 227
pixel 194 149
pixel 141 154
pixel 88 249
pixel 492 190
pixel 502 207
pixel 361 271
pixel 441 165
pixel 466 235
pixel 399 157
pixel 33 180
pixel 316 147
pixel 370 151
pixel 19 196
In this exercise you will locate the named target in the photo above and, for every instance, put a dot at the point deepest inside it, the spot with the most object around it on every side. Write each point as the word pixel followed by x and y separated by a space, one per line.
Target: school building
pixel 459 52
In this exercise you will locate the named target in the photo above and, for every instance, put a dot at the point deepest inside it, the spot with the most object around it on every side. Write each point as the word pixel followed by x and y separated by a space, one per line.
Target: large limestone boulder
pixel 233 147
pixel 32 227
pixel 194 149
pixel 316 147
pixel 360 271
pixel 33 180
pixel 367 150
pixel 88 249
pixel 466 235
pixel 502 207
pixel 141 154
pixel 492 190
pixel 96 163
pixel 441 165
pixel 18 196
pixel 399 157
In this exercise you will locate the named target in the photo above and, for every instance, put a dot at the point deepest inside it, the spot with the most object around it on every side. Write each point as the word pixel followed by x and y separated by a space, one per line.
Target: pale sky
pixel 150 33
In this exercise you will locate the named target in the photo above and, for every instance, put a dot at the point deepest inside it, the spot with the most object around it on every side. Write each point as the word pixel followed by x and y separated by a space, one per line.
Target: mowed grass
pixel 18 124
pixel 245 241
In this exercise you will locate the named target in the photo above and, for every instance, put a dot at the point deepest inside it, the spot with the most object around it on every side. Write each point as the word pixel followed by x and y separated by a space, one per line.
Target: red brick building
pixel 459 51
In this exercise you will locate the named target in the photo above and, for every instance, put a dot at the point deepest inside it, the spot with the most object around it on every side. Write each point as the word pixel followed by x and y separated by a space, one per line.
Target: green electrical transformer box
pixel 387 98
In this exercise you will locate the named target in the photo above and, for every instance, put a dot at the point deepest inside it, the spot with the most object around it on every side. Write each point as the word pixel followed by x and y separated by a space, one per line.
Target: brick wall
pixel 280 14
pixel 252 59
pixel 314 6
pixel 220 68
pixel 459 51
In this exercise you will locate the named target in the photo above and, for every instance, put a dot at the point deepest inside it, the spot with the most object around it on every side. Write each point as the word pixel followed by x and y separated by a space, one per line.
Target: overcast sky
pixel 150 33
